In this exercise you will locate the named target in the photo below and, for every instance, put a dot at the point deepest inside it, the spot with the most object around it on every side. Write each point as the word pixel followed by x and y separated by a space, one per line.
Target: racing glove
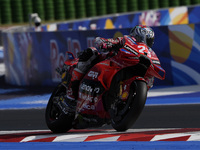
pixel 102 43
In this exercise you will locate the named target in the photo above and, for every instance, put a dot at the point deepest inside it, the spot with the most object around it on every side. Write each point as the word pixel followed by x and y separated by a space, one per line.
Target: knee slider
pixel 88 54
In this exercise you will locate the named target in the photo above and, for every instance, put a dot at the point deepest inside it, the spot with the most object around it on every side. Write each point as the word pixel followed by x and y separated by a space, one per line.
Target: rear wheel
pixel 125 113
pixel 58 120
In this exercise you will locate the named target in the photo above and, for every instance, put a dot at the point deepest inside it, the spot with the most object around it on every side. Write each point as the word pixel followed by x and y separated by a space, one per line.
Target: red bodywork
pixel 98 79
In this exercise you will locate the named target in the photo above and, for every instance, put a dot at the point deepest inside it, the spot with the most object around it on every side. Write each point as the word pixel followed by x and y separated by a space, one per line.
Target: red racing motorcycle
pixel 113 91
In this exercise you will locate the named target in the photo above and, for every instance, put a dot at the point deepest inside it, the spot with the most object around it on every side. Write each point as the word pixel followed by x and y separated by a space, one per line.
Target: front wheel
pixel 124 114
pixel 57 120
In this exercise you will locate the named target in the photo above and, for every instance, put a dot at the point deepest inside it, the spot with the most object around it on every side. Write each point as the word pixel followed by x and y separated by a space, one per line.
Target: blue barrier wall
pixel 31 57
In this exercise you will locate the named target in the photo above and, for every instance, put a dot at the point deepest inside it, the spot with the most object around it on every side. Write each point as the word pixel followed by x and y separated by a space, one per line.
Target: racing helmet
pixel 143 34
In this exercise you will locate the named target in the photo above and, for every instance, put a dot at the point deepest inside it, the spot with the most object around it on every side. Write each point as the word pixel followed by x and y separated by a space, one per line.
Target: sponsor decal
pixel 89 107
pixel 86 97
pixel 130 49
pixel 156 62
pixel 124 95
pixel 87 88
pixel 106 64
pixel 127 52
pixel 93 74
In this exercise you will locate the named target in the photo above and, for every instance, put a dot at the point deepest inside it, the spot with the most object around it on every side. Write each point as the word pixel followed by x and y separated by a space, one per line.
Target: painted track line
pixel 89 135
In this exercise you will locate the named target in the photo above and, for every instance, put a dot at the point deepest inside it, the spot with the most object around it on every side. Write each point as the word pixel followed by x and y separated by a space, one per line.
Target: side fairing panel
pixel 95 83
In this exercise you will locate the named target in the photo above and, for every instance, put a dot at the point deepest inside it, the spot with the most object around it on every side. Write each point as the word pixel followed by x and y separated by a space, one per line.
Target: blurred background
pixel 17 11
pixel 29 55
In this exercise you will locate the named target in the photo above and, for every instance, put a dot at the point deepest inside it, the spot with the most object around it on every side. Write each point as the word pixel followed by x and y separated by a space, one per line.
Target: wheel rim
pixel 120 108
pixel 55 111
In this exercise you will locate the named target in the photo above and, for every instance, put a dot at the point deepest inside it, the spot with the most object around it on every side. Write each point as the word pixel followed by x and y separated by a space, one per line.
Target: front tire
pixel 123 115
pixel 56 120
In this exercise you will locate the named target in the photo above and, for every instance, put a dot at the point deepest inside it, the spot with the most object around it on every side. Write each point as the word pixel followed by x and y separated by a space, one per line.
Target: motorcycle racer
pixel 91 56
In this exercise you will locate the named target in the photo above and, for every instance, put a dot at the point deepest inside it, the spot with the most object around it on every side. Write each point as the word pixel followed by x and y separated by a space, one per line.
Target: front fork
pixel 125 86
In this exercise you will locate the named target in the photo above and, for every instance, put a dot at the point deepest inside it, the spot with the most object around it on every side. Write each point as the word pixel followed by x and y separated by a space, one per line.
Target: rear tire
pixel 127 114
pixel 56 120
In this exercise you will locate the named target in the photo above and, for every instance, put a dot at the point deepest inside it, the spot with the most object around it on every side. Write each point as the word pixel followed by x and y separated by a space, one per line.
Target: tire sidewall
pixel 64 123
pixel 137 106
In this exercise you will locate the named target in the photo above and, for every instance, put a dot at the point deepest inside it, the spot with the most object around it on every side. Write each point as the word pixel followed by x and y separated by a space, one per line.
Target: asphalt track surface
pixel 178 116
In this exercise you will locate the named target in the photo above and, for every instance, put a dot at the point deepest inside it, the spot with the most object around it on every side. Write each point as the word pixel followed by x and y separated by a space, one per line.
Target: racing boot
pixel 87 58
pixel 72 92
